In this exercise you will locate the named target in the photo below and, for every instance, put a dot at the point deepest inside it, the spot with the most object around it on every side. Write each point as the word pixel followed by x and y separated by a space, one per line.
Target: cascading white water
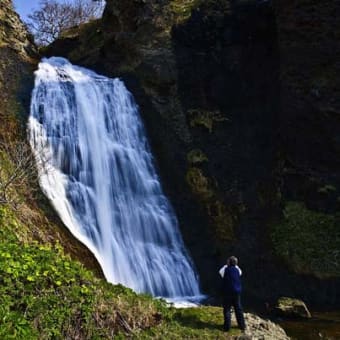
pixel 97 170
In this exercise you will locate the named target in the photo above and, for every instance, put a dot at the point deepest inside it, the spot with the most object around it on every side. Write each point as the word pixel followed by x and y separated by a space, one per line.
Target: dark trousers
pixel 235 301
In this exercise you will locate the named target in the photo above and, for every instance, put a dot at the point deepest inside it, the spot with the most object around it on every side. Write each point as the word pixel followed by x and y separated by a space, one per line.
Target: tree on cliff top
pixel 47 22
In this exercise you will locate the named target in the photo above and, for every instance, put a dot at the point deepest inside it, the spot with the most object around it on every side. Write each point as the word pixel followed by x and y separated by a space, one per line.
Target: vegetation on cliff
pixel 308 241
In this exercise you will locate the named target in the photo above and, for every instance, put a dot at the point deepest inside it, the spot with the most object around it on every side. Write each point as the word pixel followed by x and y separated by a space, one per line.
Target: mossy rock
pixel 308 241
pixel 196 156
pixel 221 217
pixel 292 308
pixel 223 220
pixel 206 119
pixel 199 184
pixel 326 189
pixel 182 9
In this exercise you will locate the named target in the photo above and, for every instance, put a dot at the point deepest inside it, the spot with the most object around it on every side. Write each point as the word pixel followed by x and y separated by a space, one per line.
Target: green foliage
pixel 221 216
pixel 205 119
pixel 199 183
pixel 327 189
pixel 308 241
pixel 192 323
pixel 183 8
pixel 45 294
pixel 40 289
pixel 196 156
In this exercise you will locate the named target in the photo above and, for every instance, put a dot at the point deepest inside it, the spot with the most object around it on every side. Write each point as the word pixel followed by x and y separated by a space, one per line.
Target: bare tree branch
pixel 53 17
pixel 18 169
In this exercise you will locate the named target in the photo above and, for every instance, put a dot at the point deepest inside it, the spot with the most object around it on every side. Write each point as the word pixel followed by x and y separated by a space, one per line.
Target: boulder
pixel 258 328
pixel 292 308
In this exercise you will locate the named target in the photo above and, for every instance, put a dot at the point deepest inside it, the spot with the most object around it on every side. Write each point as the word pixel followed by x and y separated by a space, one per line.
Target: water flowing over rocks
pixel 99 176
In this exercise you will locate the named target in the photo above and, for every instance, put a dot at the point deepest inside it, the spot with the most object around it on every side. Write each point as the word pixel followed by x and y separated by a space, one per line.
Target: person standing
pixel 232 288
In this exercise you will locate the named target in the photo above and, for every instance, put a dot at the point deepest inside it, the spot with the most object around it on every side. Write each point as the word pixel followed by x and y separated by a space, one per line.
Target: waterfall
pixel 96 168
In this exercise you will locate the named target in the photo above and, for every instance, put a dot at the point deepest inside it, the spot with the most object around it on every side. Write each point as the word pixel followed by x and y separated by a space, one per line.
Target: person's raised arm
pixel 221 271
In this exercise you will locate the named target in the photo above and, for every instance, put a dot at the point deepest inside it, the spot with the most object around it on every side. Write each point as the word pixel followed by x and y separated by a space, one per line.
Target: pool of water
pixel 323 325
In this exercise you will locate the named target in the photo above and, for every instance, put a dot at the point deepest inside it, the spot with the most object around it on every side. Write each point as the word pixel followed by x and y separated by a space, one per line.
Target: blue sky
pixel 24 7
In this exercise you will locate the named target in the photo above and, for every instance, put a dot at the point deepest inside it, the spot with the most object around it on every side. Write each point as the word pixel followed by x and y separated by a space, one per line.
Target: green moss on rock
pixel 196 156
pixel 309 241
pixel 206 119
pixel 182 9
pixel 199 184
pixel 327 189
pixel 221 217
pixel 289 307
pixel 224 221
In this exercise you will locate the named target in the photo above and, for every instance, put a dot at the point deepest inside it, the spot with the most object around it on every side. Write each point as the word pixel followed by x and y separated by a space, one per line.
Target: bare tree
pixel 54 16
pixel 18 169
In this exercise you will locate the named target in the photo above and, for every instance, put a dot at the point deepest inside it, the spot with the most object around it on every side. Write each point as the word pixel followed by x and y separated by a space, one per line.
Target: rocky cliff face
pixel 15 54
pixel 309 107
pixel 13 33
pixel 239 100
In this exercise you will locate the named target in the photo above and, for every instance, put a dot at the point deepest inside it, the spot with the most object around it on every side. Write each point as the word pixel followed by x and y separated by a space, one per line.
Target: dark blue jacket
pixel 231 281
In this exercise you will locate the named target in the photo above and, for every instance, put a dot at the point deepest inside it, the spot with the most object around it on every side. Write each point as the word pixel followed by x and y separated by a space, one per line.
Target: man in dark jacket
pixel 231 288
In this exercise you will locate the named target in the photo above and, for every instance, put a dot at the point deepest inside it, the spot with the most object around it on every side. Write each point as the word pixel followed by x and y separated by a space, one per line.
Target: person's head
pixel 232 261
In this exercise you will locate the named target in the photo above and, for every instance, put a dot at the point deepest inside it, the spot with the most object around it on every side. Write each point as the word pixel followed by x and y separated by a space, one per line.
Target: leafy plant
pixel 46 294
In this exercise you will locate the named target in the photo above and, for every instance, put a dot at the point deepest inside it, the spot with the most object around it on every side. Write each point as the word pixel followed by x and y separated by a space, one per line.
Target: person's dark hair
pixel 232 261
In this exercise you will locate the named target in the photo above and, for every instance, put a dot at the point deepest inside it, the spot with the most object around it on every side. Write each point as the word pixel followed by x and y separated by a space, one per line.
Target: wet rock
pixel 260 329
pixel 292 308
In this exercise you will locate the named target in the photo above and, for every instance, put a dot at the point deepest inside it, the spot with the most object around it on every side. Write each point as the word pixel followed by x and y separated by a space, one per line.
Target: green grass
pixel 44 294
pixel 205 322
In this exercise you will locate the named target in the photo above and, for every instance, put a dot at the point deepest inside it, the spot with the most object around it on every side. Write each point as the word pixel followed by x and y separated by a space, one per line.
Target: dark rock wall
pixel 228 70
pixel 240 101
pixel 308 37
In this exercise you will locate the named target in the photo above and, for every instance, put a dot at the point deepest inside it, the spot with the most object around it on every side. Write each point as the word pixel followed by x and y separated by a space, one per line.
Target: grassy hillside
pixel 44 294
